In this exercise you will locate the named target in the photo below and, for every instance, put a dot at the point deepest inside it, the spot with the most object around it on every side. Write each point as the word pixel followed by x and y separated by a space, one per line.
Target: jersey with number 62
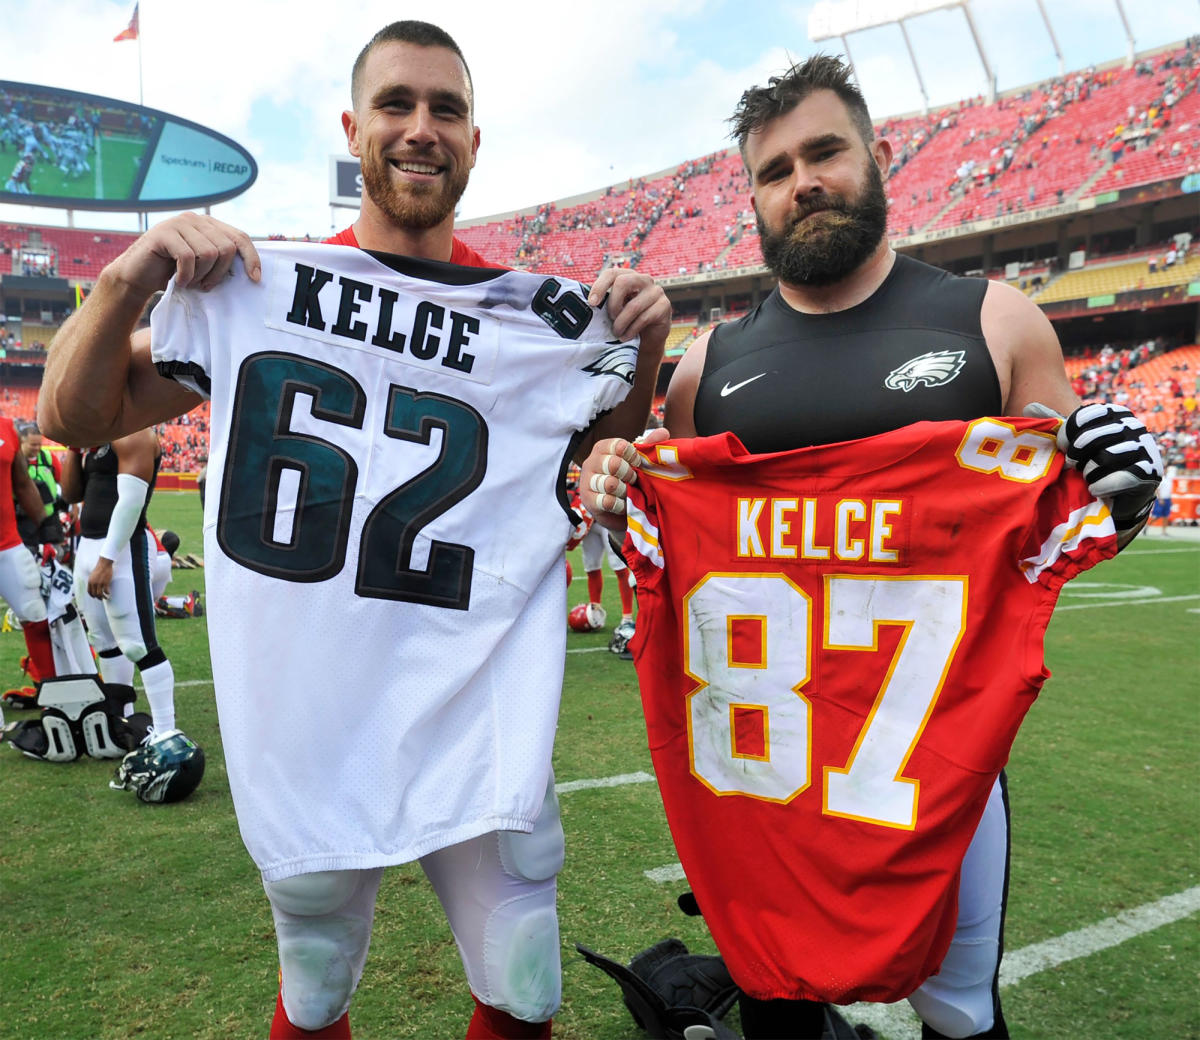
pixel 383 539
pixel 835 647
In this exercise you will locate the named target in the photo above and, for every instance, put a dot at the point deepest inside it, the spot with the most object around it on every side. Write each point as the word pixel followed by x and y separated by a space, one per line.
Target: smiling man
pixel 412 129
pixel 379 417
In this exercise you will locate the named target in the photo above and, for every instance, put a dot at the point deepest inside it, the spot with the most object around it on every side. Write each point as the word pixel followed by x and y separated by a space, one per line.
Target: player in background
pixel 412 127
pixel 51 542
pixel 20 579
pixel 114 482
pixel 855 341
pixel 45 470
pixel 1162 503
pixel 37 531
pixel 595 549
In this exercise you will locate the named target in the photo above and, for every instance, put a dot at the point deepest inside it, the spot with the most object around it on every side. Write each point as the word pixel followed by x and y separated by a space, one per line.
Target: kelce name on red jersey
pixel 848 529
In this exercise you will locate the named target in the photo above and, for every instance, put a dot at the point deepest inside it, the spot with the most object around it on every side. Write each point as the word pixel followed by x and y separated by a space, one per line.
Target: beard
pixel 418 206
pixel 827 248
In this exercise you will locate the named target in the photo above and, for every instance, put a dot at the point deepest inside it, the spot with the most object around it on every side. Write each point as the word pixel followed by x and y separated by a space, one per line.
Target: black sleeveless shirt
pixel 100 491
pixel 914 350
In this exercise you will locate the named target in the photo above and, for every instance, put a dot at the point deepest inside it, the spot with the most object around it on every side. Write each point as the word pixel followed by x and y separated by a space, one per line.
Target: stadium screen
pixel 69 150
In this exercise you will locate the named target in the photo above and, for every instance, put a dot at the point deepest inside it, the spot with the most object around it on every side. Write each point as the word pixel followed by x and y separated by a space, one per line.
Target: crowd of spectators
pixel 623 216
pixel 1115 374
pixel 184 441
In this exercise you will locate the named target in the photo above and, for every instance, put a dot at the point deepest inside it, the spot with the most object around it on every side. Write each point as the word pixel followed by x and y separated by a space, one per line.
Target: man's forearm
pixel 88 366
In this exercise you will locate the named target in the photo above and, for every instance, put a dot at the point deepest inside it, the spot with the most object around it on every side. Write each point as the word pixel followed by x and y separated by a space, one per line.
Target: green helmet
pixel 167 768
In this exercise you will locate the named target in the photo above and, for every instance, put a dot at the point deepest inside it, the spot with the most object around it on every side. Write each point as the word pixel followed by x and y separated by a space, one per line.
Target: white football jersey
pixel 383 540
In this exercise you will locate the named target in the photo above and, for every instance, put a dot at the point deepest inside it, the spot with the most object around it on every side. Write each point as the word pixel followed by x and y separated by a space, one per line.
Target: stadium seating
pixel 1082 134
pixel 1175 152
pixel 79 255
pixel 949 168
pixel 1104 278
pixel 1161 390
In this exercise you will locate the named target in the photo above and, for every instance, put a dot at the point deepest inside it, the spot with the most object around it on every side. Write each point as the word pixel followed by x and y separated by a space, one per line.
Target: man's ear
pixel 881 151
pixel 350 126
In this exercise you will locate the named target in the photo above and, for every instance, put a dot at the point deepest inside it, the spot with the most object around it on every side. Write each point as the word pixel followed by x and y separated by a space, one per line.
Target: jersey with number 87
pixel 835 648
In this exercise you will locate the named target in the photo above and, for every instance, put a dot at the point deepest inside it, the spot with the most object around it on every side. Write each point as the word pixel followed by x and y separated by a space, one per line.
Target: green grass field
pixel 114 164
pixel 122 920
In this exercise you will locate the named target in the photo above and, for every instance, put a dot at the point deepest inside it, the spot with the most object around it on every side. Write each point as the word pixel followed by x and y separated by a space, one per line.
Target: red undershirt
pixel 460 253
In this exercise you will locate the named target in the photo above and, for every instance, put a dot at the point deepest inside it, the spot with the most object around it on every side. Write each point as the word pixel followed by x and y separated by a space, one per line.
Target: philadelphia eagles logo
pixel 620 359
pixel 932 369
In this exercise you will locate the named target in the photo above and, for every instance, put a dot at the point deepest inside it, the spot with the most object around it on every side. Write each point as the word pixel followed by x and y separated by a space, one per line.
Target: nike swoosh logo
pixel 726 390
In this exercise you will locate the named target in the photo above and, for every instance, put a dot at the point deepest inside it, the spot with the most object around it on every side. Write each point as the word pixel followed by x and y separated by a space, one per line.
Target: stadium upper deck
pixel 1074 137
pixel 1078 136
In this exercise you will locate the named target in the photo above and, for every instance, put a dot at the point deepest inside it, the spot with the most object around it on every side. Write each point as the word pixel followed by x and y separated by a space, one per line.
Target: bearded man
pixel 857 340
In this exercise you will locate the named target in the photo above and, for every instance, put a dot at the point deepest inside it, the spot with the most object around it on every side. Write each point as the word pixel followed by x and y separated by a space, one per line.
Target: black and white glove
pixel 1115 453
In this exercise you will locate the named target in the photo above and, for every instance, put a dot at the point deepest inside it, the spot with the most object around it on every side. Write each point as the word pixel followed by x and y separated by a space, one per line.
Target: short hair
pixel 423 34
pixel 760 105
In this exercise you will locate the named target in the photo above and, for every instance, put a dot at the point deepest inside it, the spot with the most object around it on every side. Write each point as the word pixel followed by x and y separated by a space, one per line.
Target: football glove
pixel 1116 455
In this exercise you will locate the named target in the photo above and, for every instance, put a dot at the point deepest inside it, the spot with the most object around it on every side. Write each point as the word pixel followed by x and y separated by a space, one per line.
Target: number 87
pixel 749 725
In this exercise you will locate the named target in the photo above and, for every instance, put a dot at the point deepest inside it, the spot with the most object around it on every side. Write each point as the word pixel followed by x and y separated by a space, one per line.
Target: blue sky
pixel 569 97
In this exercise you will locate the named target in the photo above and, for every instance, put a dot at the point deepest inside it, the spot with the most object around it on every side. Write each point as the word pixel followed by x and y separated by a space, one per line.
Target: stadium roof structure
pixel 841 18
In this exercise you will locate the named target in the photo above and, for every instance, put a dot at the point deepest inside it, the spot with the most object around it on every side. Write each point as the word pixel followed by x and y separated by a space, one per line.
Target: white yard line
pixel 1126 602
pixel 899 1021
pixel 604 781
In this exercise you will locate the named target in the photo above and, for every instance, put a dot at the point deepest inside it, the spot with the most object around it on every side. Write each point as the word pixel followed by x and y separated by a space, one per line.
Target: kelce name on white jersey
pixel 432 331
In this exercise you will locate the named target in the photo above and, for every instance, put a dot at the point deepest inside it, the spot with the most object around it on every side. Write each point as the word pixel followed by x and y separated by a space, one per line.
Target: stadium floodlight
pixel 72 150
pixel 840 18
pixel 830 18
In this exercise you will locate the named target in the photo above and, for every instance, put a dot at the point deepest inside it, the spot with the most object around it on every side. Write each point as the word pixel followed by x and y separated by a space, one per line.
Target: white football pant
pixel 498 892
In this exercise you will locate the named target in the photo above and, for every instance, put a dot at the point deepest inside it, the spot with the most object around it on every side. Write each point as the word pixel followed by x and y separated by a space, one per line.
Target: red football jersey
pixel 835 648
pixel 10 447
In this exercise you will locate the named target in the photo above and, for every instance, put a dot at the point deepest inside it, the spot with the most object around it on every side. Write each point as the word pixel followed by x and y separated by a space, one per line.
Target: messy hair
pixel 760 105
pixel 423 34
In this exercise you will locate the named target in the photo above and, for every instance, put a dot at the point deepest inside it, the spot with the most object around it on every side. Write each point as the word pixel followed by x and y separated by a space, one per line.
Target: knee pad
pixel 538 855
pixel 135 650
pixel 521 958
pixel 323 932
pixel 957 1001
pixel 521 944
pixel 314 894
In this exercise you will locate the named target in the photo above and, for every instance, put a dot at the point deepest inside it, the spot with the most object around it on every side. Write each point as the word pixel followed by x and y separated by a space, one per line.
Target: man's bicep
pixel 679 418
pixel 1039 376
pixel 1026 351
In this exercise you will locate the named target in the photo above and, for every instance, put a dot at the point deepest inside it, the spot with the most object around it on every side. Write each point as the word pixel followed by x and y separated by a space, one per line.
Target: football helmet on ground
pixel 587 617
pixel 167 768
pixel 619 644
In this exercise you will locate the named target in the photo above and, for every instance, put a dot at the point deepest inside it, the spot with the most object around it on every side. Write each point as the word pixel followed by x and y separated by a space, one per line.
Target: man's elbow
pixel 49 418
pixel 81 426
